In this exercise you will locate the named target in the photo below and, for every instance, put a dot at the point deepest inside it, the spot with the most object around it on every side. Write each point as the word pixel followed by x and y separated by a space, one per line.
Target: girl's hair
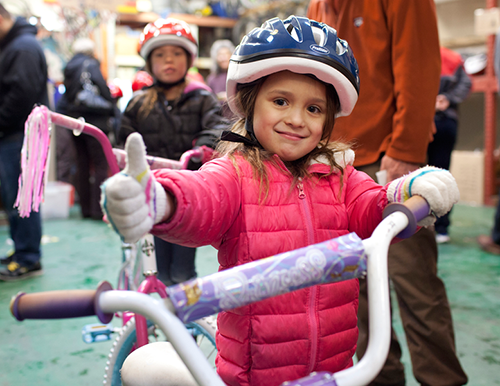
pixel 245 99
pixel 152 92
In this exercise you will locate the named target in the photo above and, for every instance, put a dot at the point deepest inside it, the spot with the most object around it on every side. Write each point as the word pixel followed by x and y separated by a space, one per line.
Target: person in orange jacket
pixel 396 44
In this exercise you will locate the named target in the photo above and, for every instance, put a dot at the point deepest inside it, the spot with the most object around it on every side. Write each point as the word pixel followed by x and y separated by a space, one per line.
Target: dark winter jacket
pixel 171 128
pixel 23 77
pixel 72 73
pixel 455 84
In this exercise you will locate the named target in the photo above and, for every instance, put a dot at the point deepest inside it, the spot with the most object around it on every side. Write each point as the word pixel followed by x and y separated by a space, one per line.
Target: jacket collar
pixel 20 27
pixel 320 165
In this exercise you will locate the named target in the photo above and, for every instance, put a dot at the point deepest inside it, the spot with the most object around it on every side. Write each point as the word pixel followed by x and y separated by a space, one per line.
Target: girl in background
pixel 173 115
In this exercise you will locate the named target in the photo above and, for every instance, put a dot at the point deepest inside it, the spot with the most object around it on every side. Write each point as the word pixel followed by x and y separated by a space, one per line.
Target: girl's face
pixel 169 64
pixel 289 114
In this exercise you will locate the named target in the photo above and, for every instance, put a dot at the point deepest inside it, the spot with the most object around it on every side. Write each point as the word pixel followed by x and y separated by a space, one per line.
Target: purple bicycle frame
pixel 338 259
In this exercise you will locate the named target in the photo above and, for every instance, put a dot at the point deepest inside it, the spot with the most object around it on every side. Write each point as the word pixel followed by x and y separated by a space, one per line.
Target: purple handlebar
pixel 334 260
pixel 59 304
pixel 416 208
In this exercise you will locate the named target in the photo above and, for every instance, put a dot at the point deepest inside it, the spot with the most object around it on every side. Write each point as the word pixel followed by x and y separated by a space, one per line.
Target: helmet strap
pixel 234 137
pixel 168 86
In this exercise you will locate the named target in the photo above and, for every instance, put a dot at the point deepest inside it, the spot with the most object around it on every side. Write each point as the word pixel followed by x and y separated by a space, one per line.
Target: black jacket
pixel 456 88
pixel 170 129
pixel 23 77
pixel 72 73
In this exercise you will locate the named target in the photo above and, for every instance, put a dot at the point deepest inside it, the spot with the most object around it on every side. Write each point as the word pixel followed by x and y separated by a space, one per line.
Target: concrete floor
pixel 79 253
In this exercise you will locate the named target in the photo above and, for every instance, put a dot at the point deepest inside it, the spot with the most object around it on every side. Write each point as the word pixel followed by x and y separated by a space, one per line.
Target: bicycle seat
pixel 155 364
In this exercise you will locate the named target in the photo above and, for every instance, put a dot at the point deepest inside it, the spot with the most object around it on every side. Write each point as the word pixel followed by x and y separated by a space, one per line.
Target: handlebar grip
pixel 59 304
pixel 415 208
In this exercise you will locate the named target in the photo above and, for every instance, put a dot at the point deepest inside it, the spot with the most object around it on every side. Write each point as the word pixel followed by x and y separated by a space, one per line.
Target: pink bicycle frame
pixel 116 159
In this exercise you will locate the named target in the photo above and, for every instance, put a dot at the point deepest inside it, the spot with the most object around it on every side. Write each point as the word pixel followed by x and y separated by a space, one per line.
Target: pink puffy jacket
pixel 289 336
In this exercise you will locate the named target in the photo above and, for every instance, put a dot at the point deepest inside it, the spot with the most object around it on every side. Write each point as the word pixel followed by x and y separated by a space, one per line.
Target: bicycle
pixel 342 258
pixel 135 331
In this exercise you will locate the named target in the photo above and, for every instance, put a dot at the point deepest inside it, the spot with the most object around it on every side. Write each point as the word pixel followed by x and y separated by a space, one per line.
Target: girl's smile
pixel 290 114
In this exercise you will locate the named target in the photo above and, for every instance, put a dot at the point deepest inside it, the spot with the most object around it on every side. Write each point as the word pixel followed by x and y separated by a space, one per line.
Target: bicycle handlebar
pixel 60 304
pixel 416 208
pixel 79 126
pixel 334 260
pixel 196 155
pixel 116 158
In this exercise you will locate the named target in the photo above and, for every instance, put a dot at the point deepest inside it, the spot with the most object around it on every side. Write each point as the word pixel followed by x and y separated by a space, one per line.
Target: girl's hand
pixel 133 200
pixel 436 185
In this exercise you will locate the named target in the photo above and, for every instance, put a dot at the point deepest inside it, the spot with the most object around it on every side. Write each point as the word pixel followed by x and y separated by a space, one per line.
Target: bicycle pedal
pixel 97 332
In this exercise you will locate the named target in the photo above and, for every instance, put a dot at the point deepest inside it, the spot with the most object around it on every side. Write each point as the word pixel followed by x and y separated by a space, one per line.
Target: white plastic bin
pixel 59 197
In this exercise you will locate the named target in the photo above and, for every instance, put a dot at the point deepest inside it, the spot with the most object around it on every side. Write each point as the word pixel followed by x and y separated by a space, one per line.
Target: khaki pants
pixel 424 310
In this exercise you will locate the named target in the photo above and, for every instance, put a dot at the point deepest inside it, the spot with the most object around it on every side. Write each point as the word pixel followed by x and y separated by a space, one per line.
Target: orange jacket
pixel 396 45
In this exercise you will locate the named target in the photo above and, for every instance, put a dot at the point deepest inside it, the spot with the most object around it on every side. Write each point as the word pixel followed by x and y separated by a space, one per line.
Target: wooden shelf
pixel 205 21
pixel 136 20
pixel 139 20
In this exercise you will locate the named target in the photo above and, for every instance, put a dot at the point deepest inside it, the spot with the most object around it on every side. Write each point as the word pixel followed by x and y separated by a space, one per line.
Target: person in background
pixel 91 164
pixel 174 114
pixel 491 243
pixel 276 185
pixel 396 44
pixel 23 83
pixel 454 88
pixel 220 53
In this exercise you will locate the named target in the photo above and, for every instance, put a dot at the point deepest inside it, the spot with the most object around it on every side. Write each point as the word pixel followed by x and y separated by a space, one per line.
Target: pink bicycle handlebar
pixel 79 126
pixel 116 158
pixel 195 155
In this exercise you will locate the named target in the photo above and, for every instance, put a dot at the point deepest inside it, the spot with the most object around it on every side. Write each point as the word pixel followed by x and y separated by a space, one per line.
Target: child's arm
pixel 133 200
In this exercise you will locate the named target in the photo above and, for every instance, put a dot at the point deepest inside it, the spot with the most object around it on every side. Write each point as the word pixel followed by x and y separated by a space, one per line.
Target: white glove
pixel 133 200
pixel 436 185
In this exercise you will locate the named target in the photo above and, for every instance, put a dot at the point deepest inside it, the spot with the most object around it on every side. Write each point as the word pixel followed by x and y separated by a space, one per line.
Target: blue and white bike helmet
pixel 300 45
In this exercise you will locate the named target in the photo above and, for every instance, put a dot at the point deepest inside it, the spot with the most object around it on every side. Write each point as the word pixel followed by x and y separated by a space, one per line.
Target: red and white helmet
pixel 167 31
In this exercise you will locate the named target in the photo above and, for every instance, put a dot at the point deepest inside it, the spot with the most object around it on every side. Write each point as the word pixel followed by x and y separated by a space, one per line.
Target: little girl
pixel 173 115
pixel 278 185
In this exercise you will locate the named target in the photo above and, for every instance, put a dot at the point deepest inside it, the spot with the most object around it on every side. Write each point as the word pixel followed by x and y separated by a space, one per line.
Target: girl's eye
pixel 314 109
pixel 280 102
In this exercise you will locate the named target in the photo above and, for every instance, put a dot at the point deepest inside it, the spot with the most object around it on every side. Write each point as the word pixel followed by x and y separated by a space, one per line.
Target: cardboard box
pixel 468 169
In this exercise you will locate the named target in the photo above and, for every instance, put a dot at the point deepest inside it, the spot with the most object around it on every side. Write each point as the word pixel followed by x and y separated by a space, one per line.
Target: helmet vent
pixel 340 48
pixel 319 36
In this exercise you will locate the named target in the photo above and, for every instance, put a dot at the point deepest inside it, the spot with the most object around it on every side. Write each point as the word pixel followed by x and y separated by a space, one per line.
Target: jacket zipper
pixel 312 315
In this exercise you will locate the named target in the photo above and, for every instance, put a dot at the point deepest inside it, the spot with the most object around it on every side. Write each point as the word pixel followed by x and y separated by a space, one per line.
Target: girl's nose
pixel 295 117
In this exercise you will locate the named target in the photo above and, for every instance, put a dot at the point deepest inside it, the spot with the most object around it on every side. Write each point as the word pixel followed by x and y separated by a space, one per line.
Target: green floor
pixel 79 253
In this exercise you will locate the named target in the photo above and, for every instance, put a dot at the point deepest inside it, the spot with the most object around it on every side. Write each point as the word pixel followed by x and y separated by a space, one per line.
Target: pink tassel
pixel 34 157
